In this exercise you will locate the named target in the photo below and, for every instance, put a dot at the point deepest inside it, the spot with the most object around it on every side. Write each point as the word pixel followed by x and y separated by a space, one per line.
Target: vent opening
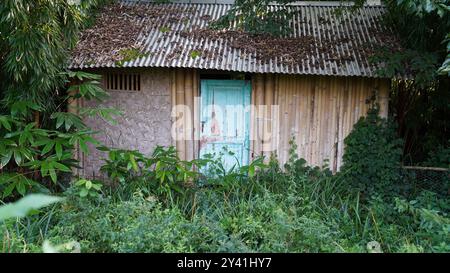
pixel 123 82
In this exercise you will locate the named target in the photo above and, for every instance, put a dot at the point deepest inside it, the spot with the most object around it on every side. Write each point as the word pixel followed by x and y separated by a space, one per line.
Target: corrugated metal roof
pixel 342 45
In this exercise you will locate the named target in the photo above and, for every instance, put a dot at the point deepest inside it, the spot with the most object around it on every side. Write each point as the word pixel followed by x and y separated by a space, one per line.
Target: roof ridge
pixel 369 3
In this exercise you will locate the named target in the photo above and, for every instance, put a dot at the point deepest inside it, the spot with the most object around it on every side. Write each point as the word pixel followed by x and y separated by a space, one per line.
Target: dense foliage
pixel 373 155
pixel 420 106
pixel 32 158
pixel 38 133
pixel 35 40
pixel 301 209
pixel 159 203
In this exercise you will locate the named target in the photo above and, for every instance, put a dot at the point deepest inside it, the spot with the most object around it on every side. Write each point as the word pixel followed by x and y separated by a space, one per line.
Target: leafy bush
pixel 429 216
pixel 138 225
pixel 162 174
pixel 88 188
pixel 32 156
pixel 440 157
pixel 303 210
pixel 257 208
pixel 372 155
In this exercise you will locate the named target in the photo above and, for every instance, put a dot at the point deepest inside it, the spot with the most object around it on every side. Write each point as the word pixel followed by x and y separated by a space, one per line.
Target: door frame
pixel 247 90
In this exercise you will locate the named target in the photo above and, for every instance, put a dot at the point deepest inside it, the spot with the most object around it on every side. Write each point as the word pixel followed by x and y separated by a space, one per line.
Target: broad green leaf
pixel 80 75
pixel 6 158
pixel 68 124
pixel 20 187
pixel 80 182
pixel 47 148
pixel 53 176
pixel 17 157
pixel 84 148
pixel 9 189
pixel 251 171
pixel 97 186
pixel 44 168
pixel 59 122
pixel 61 167
pixel 5 122
pixel 84 192
pixel 58 149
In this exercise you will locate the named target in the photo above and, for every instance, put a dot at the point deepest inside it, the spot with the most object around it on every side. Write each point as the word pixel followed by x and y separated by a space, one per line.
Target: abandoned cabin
pixel 181 83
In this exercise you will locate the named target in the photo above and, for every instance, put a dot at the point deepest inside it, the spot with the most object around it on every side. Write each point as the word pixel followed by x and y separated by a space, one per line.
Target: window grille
pixel 123 82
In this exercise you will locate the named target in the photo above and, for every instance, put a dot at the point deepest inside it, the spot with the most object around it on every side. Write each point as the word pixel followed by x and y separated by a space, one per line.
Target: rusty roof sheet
pixel 177 35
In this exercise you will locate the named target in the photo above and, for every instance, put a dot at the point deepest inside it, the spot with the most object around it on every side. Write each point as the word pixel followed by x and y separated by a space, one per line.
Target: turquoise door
pixel 225 121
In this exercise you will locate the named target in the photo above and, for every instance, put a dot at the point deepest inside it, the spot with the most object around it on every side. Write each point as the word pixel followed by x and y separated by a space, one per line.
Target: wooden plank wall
pixel 185 90
pixel 317 111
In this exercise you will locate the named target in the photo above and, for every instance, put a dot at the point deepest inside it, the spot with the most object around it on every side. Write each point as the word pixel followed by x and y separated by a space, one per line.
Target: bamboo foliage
pixel 73 106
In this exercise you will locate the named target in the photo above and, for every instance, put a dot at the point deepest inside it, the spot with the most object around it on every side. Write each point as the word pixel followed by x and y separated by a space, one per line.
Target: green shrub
pixel 20 223
pixel 298 209
pixel 33 156
pixel 260 224
pixel 439 157
pixel 138 225
pixel 162 174
pixel 372 155
pixel 307 214
pixel 428 215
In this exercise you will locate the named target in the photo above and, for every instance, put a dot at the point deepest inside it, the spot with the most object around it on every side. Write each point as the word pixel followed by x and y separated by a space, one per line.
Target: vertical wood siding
pixel 317 111
pixel 184 92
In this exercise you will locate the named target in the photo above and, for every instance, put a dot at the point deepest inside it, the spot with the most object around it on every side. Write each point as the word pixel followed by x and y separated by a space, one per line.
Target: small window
pixel 123 81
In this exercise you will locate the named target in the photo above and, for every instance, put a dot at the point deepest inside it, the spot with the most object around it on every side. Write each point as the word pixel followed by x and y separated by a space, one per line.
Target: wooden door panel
pixel 225 120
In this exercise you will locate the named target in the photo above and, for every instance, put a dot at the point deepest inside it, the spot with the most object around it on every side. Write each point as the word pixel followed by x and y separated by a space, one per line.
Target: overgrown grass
pixel 300 209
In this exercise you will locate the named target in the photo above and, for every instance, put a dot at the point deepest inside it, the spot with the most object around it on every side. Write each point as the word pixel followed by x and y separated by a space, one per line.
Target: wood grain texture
pixel 317 111
pixel 185 92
